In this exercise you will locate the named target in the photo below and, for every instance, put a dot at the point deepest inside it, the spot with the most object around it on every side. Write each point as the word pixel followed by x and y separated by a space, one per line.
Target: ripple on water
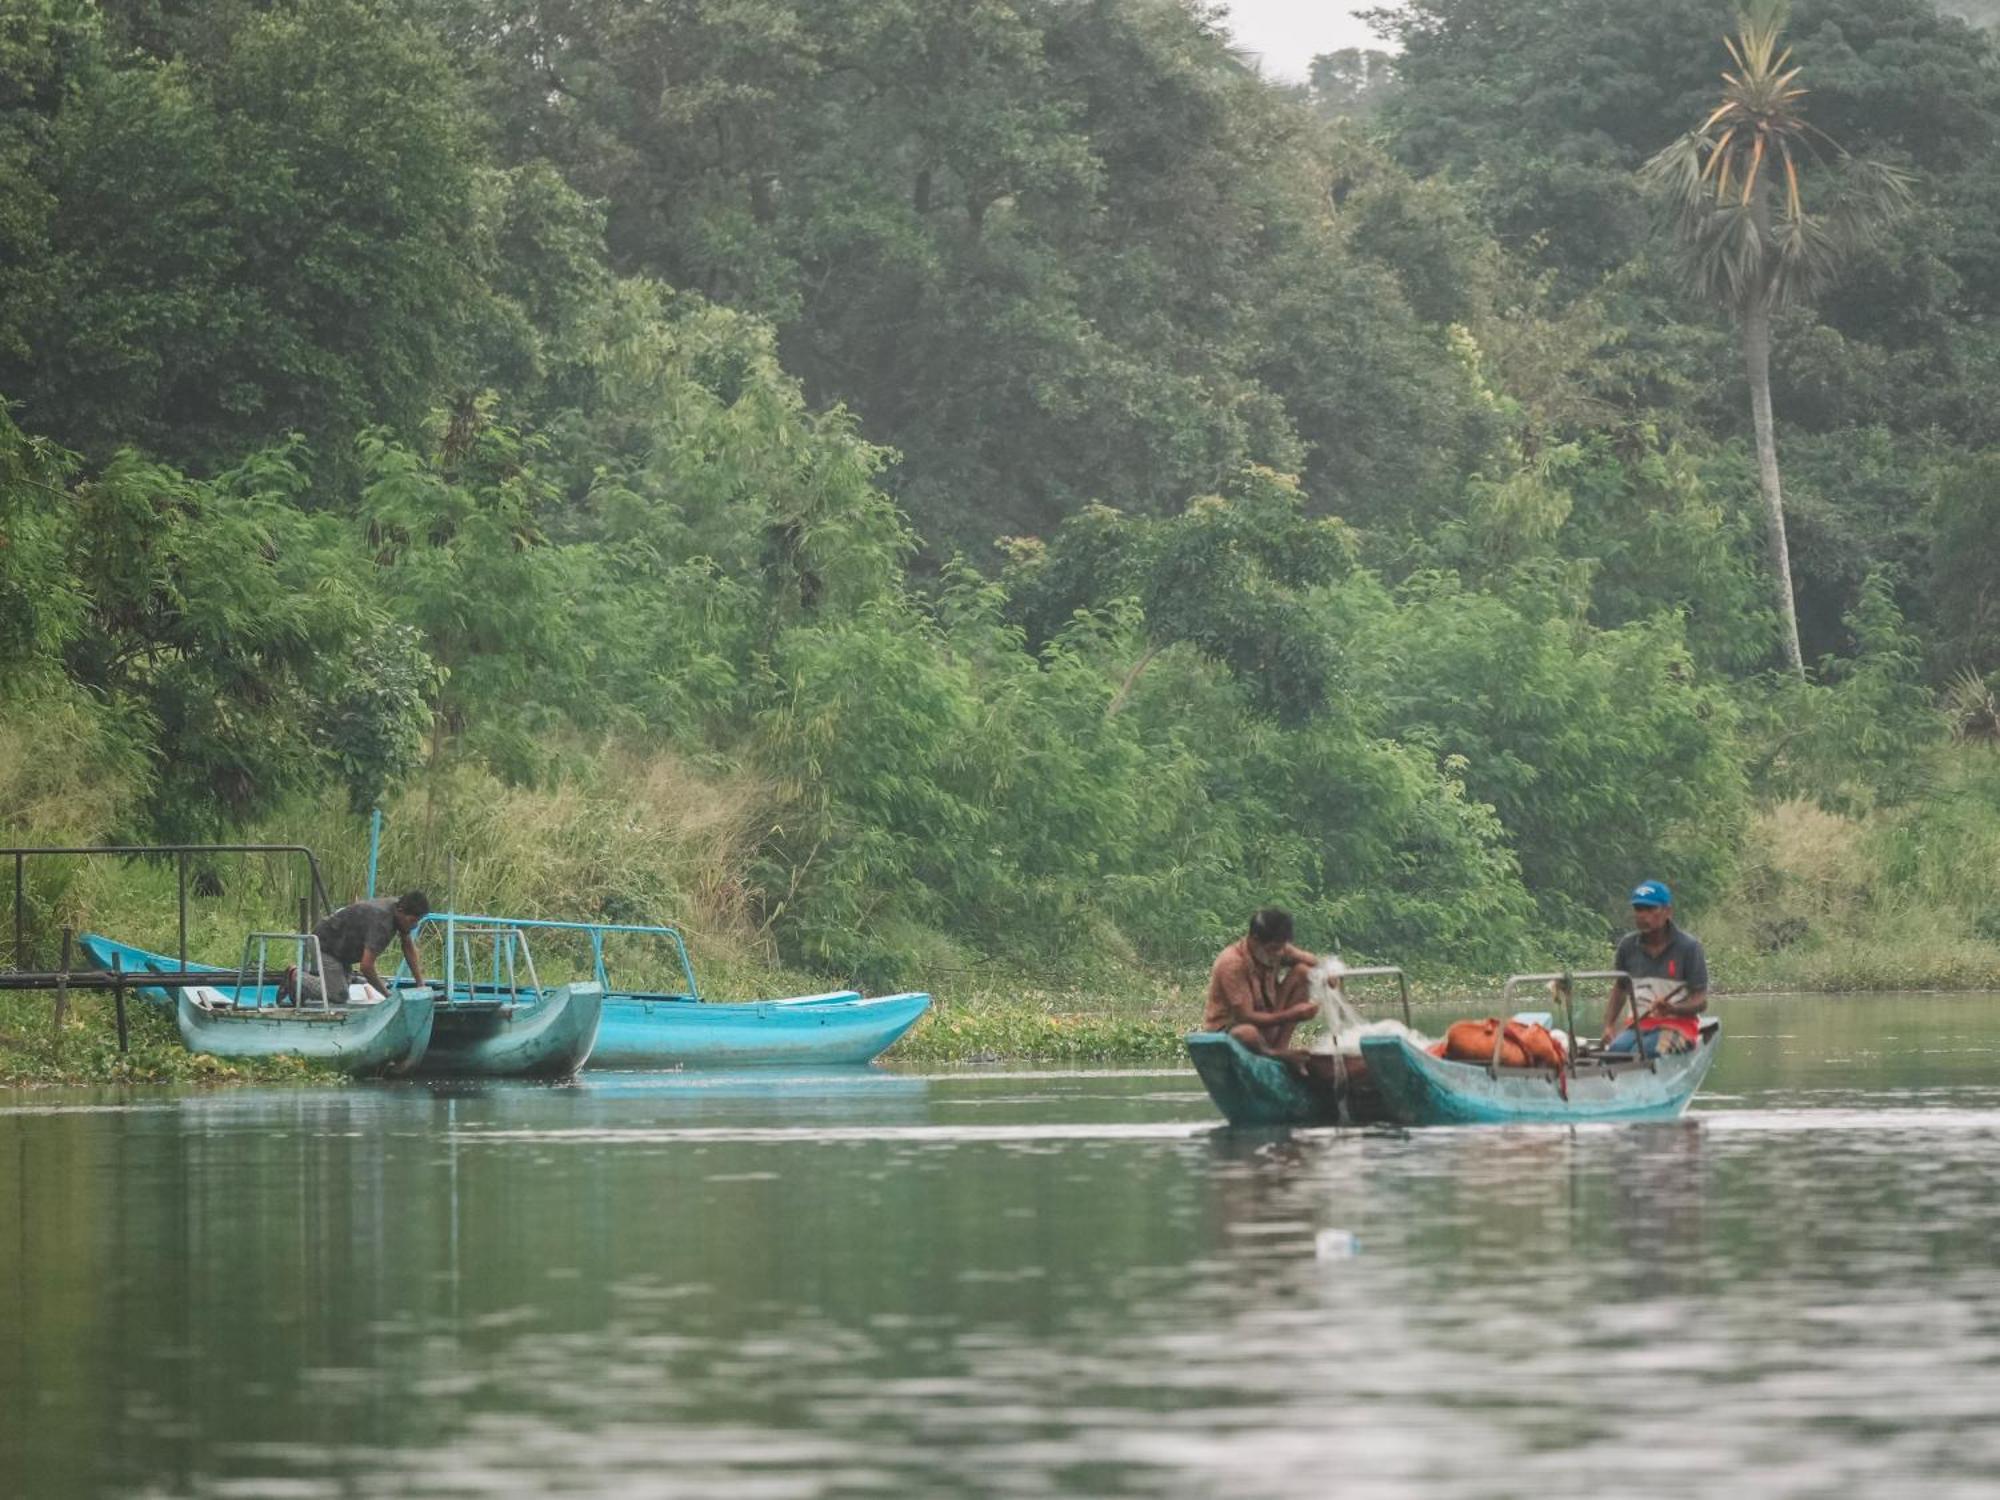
pixel 1034 1285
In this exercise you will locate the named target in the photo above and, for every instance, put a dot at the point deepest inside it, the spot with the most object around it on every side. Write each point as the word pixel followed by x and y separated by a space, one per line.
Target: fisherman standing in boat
pixel 1670 973
pixel 1257 988
pixel 354 936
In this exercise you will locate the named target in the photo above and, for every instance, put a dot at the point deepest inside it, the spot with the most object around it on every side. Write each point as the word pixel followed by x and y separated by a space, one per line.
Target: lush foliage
pixel 905 486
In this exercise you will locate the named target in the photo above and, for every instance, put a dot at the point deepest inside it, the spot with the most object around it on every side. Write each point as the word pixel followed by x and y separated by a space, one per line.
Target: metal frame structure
pixel 18 977
pixel 598 931
pixel 301 942
pixel 316 901
pixel 509 944
pixel 1402 983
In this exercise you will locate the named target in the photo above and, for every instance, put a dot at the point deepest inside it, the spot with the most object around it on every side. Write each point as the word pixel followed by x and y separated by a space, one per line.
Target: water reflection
pixel 1058 1284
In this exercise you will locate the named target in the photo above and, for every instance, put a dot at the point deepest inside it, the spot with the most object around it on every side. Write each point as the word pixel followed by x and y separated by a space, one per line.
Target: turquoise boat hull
pixel 548 1036
pixel 1419 1089
pixel 1258 1091
pixel 655 1032
pixel 384 1039
pixel 367 1041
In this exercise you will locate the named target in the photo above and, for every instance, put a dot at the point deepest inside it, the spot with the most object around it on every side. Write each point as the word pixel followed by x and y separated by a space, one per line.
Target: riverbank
pixel 34 1053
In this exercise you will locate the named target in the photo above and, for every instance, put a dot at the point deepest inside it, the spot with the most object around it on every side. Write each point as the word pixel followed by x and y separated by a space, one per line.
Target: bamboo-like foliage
pixel 1733 189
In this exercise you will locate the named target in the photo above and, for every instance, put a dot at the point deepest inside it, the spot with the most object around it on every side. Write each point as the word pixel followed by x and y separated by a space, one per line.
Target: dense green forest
pixel 901 484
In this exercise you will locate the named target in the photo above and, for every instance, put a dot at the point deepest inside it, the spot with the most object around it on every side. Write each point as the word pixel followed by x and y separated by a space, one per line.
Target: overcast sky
pixel 1288 33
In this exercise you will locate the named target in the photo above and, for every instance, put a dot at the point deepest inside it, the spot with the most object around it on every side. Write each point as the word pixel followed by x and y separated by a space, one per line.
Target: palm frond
pixel 1756 164
pixel 1793 206
pixel 1719 154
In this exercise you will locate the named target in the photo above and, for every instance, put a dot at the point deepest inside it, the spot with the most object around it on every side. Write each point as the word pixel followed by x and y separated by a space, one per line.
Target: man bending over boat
pixel 1670 973
pixel 356 935
pixel 1257 989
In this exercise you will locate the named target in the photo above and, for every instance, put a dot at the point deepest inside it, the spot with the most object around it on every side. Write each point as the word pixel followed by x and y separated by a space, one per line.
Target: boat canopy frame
pixel 520 926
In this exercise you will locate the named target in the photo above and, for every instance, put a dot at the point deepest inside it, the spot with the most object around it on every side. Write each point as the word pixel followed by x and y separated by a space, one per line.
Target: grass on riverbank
pixel 1031 1025
pixel 85 1052
pixel 1881 899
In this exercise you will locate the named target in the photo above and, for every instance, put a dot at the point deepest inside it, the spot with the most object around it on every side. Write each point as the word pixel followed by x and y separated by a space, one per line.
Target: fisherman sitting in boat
pixel 353 937
pixel 1257 989
pixel 1670 973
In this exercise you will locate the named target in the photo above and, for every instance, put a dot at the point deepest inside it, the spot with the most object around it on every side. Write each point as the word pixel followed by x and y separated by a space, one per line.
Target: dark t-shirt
pixel 1680 962
pixel 365 926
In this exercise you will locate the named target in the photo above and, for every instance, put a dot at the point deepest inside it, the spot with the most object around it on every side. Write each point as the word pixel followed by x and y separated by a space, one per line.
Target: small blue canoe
pixel 1419 1089
pixel 665 1029
pixel 661 1031
pixel 242 1021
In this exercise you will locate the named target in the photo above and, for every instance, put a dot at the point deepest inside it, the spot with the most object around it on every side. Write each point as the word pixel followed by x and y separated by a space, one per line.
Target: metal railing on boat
pixel 597 932
pixel 511 954
pixel 303 943
pixel 1383 971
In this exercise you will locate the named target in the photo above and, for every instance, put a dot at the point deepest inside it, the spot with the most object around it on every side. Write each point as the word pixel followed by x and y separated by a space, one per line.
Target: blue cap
pixel 1652 893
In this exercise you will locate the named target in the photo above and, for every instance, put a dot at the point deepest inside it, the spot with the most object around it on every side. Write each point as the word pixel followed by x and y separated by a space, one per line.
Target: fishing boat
pixel 495 1019
pixel 548 1034
pixel 1417 1088
pixel 386 1038
pixel 240 1017
pixel 1404 1083
pixel 491 1027
pixel 107 953
pixel 675 1027
pixel 1254 1089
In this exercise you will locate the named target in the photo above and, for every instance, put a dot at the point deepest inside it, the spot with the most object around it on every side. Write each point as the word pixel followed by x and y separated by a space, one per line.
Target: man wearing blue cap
pixel 1670 973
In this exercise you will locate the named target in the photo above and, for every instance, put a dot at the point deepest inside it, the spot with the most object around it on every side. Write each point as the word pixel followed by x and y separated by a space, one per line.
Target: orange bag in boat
pixel 1521 1045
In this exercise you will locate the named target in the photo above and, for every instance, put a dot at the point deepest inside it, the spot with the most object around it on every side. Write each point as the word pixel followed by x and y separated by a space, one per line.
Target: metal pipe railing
pixel 598 931
pixel 317 901
pixel 1402 983
pixel 301 942
pixel 511 953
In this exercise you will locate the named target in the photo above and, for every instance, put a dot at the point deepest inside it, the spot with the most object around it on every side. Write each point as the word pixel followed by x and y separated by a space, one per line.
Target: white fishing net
pixel 1344 1026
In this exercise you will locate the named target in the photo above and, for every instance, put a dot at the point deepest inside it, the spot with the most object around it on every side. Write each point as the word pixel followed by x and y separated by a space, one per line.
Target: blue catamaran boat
pixel 495 1018
pixel 497 1027
pixel 239 1016
pixel 675 1027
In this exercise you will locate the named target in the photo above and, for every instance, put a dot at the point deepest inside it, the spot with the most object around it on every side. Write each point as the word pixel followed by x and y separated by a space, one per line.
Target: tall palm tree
pixel 1748 242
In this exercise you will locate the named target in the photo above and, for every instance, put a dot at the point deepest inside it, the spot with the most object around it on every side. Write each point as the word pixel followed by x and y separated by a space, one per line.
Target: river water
pixel 1015 1284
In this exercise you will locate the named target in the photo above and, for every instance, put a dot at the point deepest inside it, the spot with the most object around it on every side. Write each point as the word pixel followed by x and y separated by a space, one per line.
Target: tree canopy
pixel 1078 490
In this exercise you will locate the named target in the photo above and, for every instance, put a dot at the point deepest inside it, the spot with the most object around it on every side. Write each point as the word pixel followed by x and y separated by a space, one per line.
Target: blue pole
pixel 374 848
